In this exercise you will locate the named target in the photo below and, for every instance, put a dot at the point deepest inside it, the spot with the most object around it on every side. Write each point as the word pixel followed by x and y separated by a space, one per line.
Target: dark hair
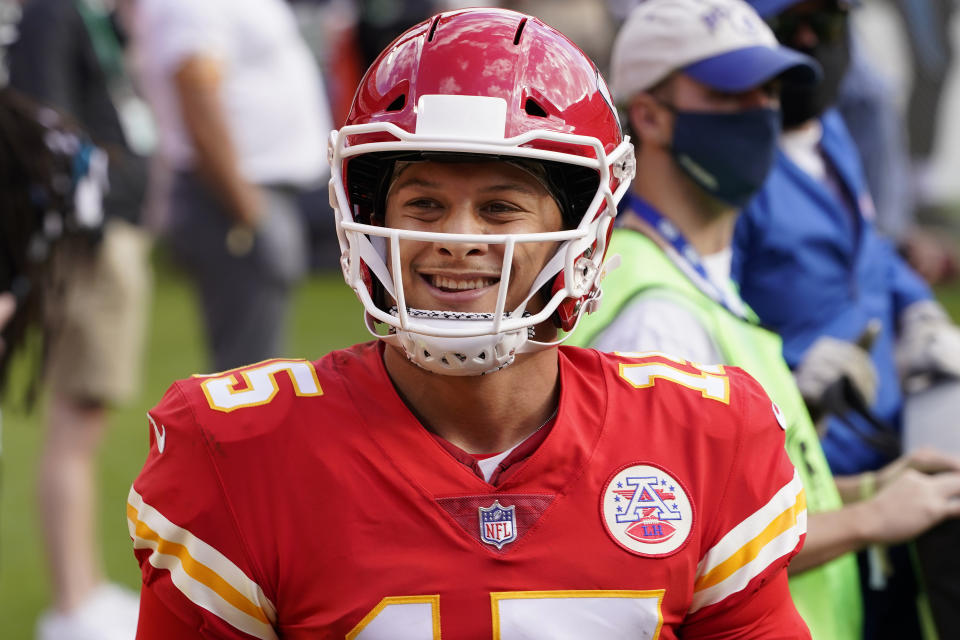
pixel 39 167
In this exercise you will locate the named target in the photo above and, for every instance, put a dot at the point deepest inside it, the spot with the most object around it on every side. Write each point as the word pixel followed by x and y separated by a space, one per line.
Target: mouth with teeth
pixel 450 284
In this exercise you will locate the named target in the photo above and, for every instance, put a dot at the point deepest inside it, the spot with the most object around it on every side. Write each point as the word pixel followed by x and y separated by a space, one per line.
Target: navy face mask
pixel 728 155
pixel 802 101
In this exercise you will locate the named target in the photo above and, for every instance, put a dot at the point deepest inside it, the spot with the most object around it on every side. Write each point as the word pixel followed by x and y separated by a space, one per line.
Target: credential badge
pixel 498 524
pixel 646 510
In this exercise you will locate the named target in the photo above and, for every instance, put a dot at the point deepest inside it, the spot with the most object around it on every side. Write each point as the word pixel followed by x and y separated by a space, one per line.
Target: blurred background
pixel 343 36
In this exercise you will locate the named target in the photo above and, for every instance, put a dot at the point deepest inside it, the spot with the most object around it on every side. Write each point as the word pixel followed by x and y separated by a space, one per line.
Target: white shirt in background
pixel 276 108
pixel 653 323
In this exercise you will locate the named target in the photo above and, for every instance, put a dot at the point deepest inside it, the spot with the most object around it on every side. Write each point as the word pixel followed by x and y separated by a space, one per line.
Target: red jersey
pixel 291 499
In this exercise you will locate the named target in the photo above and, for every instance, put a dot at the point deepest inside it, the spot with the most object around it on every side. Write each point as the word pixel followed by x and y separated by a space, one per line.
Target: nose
pixel 462 220
pixel 804 37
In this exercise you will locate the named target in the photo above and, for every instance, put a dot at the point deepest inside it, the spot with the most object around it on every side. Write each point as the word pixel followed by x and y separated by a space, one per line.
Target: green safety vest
pixel 828 597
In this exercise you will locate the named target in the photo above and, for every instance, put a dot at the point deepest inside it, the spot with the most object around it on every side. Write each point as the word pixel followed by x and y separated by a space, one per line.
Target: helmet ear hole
pixel 398 103
pixel 534 109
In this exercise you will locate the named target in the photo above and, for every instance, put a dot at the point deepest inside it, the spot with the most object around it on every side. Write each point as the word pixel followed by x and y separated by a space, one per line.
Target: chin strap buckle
pixel 592 303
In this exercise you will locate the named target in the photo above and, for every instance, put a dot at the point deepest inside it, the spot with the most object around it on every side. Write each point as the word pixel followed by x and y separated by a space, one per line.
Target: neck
pixel 704 221
pixel 480 414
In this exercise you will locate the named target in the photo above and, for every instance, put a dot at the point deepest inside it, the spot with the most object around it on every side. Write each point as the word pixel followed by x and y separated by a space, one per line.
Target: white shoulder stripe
pixel 775 549
pixel 752 526
pixel 203 574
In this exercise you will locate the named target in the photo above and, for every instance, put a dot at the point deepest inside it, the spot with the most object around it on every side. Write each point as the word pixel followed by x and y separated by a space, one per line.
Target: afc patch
pixel 646 510
pixel 498 524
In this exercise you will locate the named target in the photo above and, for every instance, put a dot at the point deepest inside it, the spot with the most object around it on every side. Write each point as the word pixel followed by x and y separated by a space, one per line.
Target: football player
pixel 461 476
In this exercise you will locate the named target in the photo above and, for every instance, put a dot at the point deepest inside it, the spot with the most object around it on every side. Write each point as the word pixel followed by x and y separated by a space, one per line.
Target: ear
pixel 651 121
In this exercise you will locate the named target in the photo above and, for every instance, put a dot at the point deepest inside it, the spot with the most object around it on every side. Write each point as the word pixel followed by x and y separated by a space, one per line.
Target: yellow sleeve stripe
pixel 194 569
pixel 765 536
pixel 751 550
pixel 204 575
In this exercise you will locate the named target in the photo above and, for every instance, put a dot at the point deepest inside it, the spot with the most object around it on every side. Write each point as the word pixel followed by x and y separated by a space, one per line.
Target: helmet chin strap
pixel 459 356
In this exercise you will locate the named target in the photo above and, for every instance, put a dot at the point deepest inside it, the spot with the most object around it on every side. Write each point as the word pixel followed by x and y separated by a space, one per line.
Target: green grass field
pixel 326 316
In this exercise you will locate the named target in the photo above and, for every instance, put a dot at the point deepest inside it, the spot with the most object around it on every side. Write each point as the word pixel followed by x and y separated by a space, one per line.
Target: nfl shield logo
pixel 498 524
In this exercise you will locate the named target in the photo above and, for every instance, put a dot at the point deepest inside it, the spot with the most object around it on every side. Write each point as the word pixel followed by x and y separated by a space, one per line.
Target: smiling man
pixel 462 476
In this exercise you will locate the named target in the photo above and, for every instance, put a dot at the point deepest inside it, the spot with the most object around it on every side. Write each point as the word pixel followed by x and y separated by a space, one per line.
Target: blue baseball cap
pixel 723 44
pixel 742 69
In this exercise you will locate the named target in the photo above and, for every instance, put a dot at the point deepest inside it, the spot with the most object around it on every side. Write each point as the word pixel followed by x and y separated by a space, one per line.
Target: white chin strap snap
pixel 460 356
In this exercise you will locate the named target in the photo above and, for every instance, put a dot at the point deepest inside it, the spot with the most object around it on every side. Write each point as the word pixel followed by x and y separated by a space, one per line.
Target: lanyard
pixel 683 254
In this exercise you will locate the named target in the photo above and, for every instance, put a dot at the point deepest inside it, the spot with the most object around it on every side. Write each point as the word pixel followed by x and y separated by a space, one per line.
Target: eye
pixel 422 203
pixel 423 206
pixel 723 96
pixel 422 209
pixel 499 207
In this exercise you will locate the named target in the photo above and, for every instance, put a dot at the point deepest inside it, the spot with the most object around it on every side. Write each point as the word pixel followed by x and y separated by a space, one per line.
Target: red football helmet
pixel 486 82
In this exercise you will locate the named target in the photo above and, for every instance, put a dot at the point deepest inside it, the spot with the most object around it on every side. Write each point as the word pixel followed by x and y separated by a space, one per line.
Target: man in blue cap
pixel 811 264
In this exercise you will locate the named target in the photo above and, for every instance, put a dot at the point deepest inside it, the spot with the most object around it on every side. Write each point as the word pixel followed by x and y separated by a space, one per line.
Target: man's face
pixel 686 94
pixel 652 114
pixel 819 29
pixel 806 25
pixel 469 198
pixel 724 142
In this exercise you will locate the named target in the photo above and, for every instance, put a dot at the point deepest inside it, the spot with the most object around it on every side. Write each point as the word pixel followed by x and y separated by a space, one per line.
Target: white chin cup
pixel 462 356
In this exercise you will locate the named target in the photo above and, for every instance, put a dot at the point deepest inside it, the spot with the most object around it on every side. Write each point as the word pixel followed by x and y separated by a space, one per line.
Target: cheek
pixel 530 261
pixel 527 266
pixel 410 253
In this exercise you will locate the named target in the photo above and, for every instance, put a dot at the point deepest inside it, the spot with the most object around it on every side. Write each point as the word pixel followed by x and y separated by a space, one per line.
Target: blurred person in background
pixel 242 122
pixel 927 24
pixel 69 56
pixel 51 187
pixel 697 80
pixel 345 36
pixel 856 321
pixel 869 108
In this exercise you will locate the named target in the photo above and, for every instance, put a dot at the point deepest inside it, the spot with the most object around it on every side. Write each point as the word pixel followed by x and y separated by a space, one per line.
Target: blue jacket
pixel 810 268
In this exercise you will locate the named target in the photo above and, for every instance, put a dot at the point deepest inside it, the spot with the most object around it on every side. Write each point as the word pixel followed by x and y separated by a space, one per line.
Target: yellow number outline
pixel 497 597
pixel 301 373
pixel 432 600
pixel 704 381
